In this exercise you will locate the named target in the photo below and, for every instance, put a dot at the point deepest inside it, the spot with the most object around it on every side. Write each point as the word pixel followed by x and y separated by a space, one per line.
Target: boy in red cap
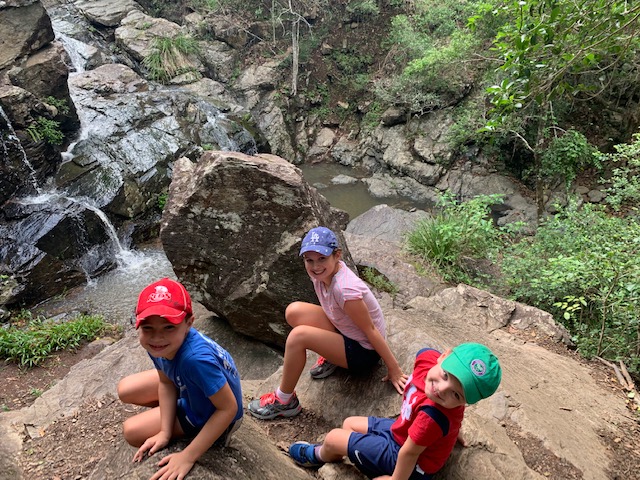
pixel 194 389
pixel 417 444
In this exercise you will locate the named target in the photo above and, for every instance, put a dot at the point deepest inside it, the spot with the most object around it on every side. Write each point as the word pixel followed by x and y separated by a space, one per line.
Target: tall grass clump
pixel 457 232
pixel 32 341
pixel 170 57
pixel 582 266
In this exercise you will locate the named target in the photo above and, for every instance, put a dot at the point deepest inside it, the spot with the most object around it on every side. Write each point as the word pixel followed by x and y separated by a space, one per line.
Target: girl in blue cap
pixel 347 329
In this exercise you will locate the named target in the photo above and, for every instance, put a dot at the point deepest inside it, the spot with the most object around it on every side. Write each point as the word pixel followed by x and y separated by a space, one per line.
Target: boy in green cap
pixel 417 444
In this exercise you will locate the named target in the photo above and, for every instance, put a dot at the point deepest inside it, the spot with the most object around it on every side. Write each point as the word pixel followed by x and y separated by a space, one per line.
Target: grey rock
pixel 232 228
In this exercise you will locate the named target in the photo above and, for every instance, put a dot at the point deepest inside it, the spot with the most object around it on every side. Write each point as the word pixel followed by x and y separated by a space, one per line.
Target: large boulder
pixel 232 228
pixel 25 27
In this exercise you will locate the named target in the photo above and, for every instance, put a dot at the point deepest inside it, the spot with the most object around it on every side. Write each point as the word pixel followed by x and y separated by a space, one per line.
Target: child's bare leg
pixel 303 313
pixel 336 443
pixel 140 388
pixel 145 425
pixel 302 338
pixel 356 424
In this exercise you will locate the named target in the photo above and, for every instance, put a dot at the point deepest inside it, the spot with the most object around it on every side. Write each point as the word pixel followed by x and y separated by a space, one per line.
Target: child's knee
pixel 292 313
pixel 130 434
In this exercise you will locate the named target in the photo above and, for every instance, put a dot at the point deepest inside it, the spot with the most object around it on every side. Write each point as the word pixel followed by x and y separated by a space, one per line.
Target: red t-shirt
pixel 427 423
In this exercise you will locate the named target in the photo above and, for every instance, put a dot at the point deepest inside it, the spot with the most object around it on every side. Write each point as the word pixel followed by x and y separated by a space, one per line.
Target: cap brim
pixel 170 314
pixel 326 251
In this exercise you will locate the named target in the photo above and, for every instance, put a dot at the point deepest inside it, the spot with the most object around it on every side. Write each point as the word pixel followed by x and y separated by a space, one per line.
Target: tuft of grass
pixel 379 281
pixel 31 342
pixel 170 57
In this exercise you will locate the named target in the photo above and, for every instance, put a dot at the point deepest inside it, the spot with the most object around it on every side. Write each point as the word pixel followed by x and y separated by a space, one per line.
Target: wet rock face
pixel 50 244
pixel 232 229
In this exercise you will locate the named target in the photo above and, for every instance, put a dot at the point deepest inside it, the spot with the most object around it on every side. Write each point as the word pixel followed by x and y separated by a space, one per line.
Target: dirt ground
pixel 71 447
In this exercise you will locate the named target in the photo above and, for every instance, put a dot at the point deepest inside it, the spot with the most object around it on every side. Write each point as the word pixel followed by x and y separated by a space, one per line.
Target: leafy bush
pixel 582 266
pixel 567 155
pixel 458 231
pixel 625 178
pixel 32 343
pixel 363 8
pixel 47 130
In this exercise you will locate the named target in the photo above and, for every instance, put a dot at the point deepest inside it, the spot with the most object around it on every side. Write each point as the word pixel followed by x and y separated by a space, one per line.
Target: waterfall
pixel 13 138
pixel 124 256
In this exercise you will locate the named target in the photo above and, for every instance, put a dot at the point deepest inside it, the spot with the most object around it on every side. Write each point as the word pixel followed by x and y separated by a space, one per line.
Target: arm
pixel 181 463
pixel 358 312
pixel 407 459
pixel 167 397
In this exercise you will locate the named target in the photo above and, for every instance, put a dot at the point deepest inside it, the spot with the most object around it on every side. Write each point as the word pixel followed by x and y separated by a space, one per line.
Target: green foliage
pixel 170 57
pixel 567 155
pixel 351 62
pixel 582 266
pixel 625 177
pixel 458 231
pixel 379 281
pixel 60 104
pixel 435 78
pixel 363 8
pixel 372 117
pixel 558 50
pixel 47 130
pixel 162 200
pixel 33 342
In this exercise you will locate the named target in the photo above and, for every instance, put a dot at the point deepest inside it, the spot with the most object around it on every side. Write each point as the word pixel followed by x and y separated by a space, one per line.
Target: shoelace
pixel 321 361
pixel 268 399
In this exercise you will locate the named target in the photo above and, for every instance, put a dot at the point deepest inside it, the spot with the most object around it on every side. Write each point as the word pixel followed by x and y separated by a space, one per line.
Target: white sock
pixel 316 452
pixel 283 397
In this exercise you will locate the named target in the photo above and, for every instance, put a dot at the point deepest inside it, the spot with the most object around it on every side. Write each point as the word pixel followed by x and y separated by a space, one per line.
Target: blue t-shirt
pixel 200 368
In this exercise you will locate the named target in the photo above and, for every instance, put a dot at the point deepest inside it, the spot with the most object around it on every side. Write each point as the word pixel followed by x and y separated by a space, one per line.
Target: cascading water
pixel 14 140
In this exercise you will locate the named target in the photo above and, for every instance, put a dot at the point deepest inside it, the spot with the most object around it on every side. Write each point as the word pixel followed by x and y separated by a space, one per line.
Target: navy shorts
pixel 190 430
pixel 375 453
pixel 359 359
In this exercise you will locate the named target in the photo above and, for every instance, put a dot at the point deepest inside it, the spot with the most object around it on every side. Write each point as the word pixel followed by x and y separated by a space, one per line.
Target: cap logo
pixel 478 367
pixel 161 294
pixel 315 238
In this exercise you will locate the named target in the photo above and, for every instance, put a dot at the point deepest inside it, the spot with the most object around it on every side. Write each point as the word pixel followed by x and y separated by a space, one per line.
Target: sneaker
pixel 322 369
pixel 269 407
pixel 304 454
pixel 225 439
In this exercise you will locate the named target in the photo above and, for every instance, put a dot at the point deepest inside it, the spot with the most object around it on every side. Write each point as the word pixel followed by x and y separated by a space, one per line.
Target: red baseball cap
pixel 165 298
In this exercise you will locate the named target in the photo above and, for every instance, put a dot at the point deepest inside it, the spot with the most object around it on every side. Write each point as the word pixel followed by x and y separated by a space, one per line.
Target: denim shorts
pixel 375 453
pixel 359 359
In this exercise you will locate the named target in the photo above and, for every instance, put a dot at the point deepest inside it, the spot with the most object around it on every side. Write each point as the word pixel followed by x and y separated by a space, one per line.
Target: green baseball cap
pixel 477 368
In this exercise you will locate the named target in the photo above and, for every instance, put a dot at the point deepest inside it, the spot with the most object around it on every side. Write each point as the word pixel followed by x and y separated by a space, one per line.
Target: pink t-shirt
pixel 346 286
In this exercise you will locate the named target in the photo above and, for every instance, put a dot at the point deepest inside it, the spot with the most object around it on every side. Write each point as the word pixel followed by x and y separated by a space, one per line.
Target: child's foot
pixel 269 407
pixel 303 454
pixel 322 369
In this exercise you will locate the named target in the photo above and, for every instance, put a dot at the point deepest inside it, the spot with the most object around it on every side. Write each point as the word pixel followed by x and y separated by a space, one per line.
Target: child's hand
pixel 174 466
pixel 383 477
pixel 398 379
pixel 152 444
pixel 461 439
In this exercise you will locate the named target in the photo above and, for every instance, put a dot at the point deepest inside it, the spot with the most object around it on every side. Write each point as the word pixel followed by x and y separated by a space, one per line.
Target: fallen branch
pixel 625 372
pixel 615 368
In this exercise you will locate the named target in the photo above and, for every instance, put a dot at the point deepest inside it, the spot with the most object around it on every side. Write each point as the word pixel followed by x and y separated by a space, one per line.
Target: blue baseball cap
pixel 321 240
